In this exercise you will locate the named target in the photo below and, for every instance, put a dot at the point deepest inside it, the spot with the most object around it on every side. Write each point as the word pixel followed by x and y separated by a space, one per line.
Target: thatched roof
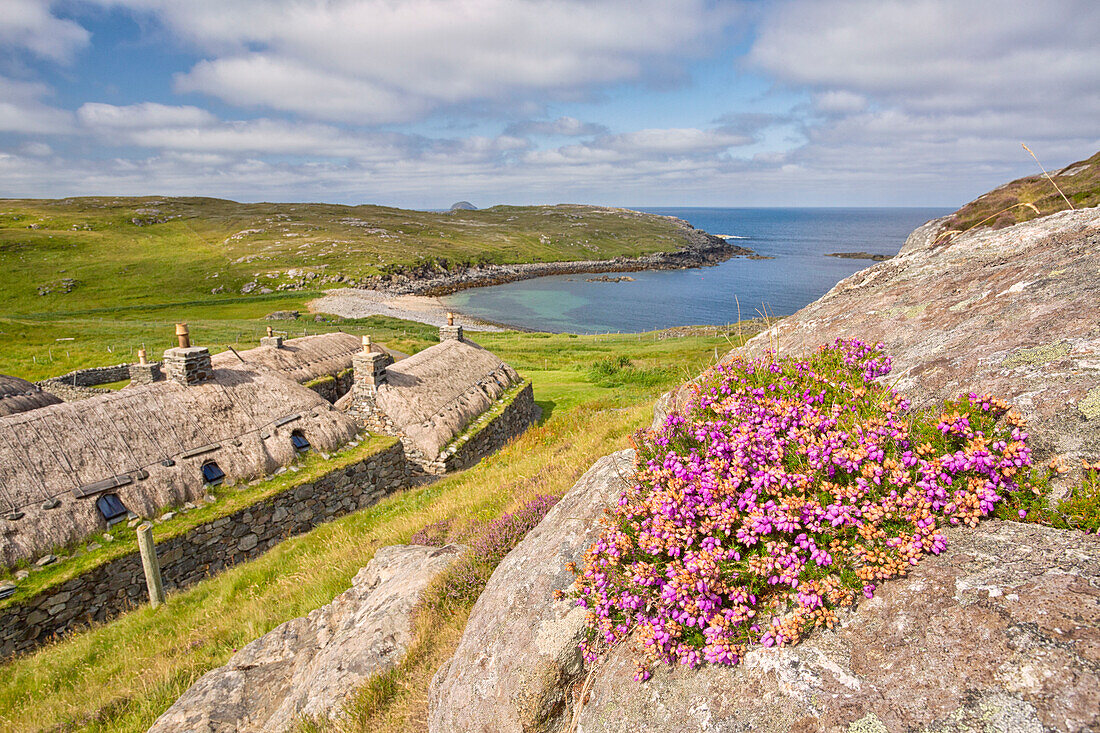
pixel 49 454
pixel 300 359
pixel 431 396
pixel 19 395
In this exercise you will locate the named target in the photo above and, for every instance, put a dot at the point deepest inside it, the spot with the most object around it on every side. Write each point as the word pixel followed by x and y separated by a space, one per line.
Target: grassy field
pixel 40 347
pixel 63 256
pixel 594 391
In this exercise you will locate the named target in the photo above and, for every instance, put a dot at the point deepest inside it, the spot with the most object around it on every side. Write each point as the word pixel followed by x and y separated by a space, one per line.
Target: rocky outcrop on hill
pixel 518 658
pixel 307 666
pixel 1010 311
pixel 1000 632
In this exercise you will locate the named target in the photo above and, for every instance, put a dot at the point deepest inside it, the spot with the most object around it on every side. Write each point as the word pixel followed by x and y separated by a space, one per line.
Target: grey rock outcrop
pixel 513 669
pixel 1001 632
pixel 1010 311
pixel 307 666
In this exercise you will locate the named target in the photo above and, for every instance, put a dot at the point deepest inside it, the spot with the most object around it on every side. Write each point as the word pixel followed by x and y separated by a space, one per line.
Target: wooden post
pixel 152 566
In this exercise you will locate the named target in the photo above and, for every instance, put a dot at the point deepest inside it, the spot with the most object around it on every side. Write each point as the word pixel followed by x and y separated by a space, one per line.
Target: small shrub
pixel 618 371
pixel 497 538
pixel 786 491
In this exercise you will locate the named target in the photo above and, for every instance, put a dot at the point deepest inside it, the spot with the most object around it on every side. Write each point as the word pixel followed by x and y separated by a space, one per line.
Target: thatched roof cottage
pixel 66 470
pixel 429 398
pixel 70 469
pixel 301 359
pixel 19 395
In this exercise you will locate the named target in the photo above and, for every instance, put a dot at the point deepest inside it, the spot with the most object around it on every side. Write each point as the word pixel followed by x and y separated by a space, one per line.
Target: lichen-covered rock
pixel 307 666
pixel 1010 311
pixel 999 633
pixel 514 668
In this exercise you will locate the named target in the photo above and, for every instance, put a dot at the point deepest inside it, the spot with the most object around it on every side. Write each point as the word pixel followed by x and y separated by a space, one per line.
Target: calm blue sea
pixel 798 239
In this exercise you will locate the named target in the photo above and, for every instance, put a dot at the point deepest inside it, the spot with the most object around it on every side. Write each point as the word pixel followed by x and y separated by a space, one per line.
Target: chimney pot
pixel 270 331
pixel 183 335
pixel 450 318
pixel 141 356
pixel 366 343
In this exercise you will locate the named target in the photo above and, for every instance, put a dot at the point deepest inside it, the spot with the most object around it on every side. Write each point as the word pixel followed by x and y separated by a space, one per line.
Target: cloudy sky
pixel 420 103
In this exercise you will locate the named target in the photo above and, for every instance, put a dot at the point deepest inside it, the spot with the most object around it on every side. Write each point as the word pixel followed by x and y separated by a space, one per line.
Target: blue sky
pixel 420 103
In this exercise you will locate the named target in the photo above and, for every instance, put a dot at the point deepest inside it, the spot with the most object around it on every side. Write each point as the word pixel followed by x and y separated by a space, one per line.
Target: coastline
pixel 415 296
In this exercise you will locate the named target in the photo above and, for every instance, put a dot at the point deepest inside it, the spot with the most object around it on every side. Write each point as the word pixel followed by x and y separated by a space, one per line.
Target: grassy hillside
pixel 63 256
pixel 1031 197
pixel 87 281
pixel 594 391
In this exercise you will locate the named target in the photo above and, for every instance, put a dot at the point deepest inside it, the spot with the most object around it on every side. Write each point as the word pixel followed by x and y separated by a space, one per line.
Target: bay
pixel 797 238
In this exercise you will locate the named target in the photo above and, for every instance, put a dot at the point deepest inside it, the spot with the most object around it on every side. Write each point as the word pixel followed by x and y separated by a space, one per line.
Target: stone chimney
pixel 450 332
pixel 369 367
pixel 186 364
pixel 144 372
pixel 271 339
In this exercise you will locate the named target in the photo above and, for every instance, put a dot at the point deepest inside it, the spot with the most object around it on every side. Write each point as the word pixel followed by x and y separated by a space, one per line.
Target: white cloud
pixel 923 90
pixel 262 80
pixel 111 118
pixel 839 101
pixel 676 141
pixel 23 111
pixel 29 25
pixel 381 61
pixel 965 53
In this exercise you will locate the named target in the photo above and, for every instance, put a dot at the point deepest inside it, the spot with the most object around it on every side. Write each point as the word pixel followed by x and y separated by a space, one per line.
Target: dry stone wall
pixel 82 383
pixel 207 549
pixel 513 421
pixel 333 387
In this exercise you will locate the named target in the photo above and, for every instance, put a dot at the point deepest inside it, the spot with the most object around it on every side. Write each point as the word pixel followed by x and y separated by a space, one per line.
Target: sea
pixel 798 240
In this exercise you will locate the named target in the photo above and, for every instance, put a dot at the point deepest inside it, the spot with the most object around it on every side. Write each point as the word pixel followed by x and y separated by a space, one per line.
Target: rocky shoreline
pixel 702 250
pixel 412 295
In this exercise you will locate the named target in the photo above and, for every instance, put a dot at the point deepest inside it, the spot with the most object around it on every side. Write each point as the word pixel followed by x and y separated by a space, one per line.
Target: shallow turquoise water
pixel 798 239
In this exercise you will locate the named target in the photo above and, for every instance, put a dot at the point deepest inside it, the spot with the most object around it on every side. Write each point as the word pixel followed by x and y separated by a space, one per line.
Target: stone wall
pixel 94 376
pixel 520 413
pixel 112 588
pixel 81 384
pixel 332 387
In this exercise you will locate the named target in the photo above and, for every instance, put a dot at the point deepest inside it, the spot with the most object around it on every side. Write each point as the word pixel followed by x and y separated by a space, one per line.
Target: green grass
pixel 120 676
pixel 1008 204
pixel 29 347
pixel 86 253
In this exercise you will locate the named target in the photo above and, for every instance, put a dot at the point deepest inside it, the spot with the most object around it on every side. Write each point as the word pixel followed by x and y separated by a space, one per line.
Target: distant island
pixel 463 206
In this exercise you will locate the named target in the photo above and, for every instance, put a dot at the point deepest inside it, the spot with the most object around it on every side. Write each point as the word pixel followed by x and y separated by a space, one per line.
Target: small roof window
pixel 299 441
pixel 112 508
pixel 212 474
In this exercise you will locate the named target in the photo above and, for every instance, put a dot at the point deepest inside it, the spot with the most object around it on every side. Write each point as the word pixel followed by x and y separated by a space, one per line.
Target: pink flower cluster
pixel 785 491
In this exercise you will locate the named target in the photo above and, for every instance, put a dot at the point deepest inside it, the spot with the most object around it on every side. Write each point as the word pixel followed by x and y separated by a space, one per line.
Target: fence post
pixel 152 566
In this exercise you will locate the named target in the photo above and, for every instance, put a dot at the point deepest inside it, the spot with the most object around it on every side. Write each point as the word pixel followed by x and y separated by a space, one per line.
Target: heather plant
pixel 490 542
pixel 785 491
